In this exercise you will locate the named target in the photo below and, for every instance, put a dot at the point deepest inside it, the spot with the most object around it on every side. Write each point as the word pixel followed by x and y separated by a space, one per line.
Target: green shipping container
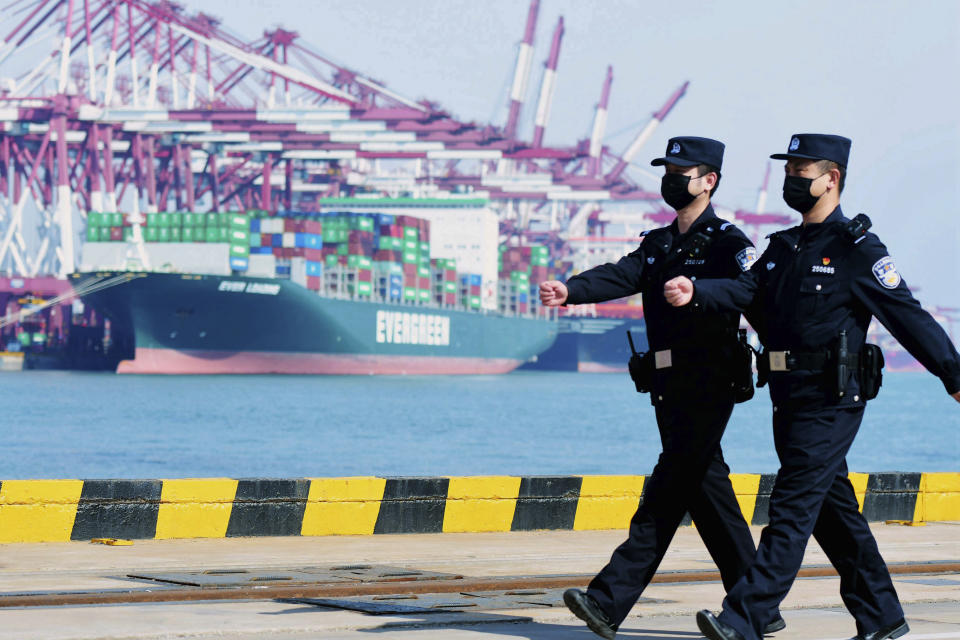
pixel 332 261
pixel 239 236
pixel 359 262
pixel 239 250
pixel 239 221
pixel 176 235
pixel 423 272
pixel 163 234
pixel 190 219
pixel 151 234
pixel 409 293
pixel 411 245
pixel 411 257
pixel 93 233
pixel 450 287
pixel 212 220
pixel 474 302
pixel 94 219
pixel 343 250
pixel 396 244
pixel 128 234
pixel 188 234
pixel 163 219
pixel 423 295
pixel 116 219
pixel 176 219
pixel 212 234
pixel 540 261
pixel 411 233
pixel 424 247
pixel 364 288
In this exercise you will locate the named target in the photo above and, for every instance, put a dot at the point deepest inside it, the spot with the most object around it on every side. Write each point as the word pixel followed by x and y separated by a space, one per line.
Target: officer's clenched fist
pixel 678 291
pixel 553 293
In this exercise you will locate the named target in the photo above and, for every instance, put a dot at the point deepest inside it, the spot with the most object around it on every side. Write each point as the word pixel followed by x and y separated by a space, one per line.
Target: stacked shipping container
pixel 361 255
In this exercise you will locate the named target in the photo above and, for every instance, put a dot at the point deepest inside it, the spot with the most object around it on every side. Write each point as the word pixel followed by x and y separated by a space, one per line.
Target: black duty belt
pixel 807 361
pixel 686 355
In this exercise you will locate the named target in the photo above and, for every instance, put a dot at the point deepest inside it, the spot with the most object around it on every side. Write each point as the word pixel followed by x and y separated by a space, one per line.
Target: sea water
pixel 100 425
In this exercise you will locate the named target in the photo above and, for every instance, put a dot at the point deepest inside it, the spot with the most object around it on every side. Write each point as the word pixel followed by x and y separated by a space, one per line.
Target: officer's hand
pixel 553 293
pixel 956 396
pixel 678 291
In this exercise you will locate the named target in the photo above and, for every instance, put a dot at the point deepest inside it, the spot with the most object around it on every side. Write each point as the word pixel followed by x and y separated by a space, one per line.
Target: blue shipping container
pixel 314 268
pixel 239 264
pixel 255 225
pixel 475 280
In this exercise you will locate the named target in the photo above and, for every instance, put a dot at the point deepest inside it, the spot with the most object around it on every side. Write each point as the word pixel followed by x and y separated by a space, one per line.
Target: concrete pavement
pixel 813 609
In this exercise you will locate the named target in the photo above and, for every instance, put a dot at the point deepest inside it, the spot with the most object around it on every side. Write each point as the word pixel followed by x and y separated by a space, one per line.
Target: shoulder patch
pixel 885 271
pixel 724 226
pixel 746 258
pixel 643 234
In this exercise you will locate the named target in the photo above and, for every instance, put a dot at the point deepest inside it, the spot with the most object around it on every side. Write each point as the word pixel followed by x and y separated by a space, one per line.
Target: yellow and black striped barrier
pixel 60 510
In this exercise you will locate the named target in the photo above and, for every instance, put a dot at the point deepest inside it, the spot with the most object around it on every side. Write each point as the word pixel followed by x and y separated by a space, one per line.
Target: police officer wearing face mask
pixel 691 385
pixel 811 296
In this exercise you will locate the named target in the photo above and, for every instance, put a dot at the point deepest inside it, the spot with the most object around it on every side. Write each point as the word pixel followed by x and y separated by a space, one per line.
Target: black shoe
pixel 586 608
pixel 777 624
pixel 714 629
pixel 894 630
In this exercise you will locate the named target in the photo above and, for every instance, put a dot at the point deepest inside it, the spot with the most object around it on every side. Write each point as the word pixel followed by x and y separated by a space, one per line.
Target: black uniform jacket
pixel 701 343
pixel 814 281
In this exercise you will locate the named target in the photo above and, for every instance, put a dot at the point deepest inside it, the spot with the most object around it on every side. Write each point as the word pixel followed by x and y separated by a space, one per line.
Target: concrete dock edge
pixel 62 510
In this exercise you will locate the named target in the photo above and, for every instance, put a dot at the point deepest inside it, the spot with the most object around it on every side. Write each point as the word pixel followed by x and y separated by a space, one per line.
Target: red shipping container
pixel 365 275
pixel 423 283
pixel 313 283
pixel 278 252
pixel 314 255
pixel 450 275
pixel 522 307
pixel 313 226
pixel 342 260
pixel 329 250
pixel 116 233
pixel 410 269
pixel 475 290
pixel 450 298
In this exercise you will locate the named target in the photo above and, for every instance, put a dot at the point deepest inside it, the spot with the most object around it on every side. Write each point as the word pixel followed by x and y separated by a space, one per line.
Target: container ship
pixel 298 293
pixel 592 338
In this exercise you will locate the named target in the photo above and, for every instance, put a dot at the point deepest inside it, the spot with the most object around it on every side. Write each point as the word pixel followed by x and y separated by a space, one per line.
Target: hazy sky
pixel 883 73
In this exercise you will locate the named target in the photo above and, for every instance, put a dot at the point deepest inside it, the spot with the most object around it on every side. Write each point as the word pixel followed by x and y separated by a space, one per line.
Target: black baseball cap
pixel 817 146
pixel 688 151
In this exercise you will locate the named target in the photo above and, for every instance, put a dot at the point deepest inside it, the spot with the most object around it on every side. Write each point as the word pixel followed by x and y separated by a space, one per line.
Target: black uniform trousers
pixel 812 495
pixel 690 475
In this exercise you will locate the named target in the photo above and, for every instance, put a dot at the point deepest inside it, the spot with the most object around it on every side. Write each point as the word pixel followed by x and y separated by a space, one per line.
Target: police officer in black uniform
pixel 811 296
pixel 691 383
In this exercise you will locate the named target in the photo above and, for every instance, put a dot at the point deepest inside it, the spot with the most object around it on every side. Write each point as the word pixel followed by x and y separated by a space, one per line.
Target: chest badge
pixel 650 259
pixel 825 261
pixel 771 265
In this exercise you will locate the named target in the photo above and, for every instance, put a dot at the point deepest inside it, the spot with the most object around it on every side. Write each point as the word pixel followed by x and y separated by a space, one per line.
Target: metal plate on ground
pixel 447 602
pixel 932 582
pixel 297 576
